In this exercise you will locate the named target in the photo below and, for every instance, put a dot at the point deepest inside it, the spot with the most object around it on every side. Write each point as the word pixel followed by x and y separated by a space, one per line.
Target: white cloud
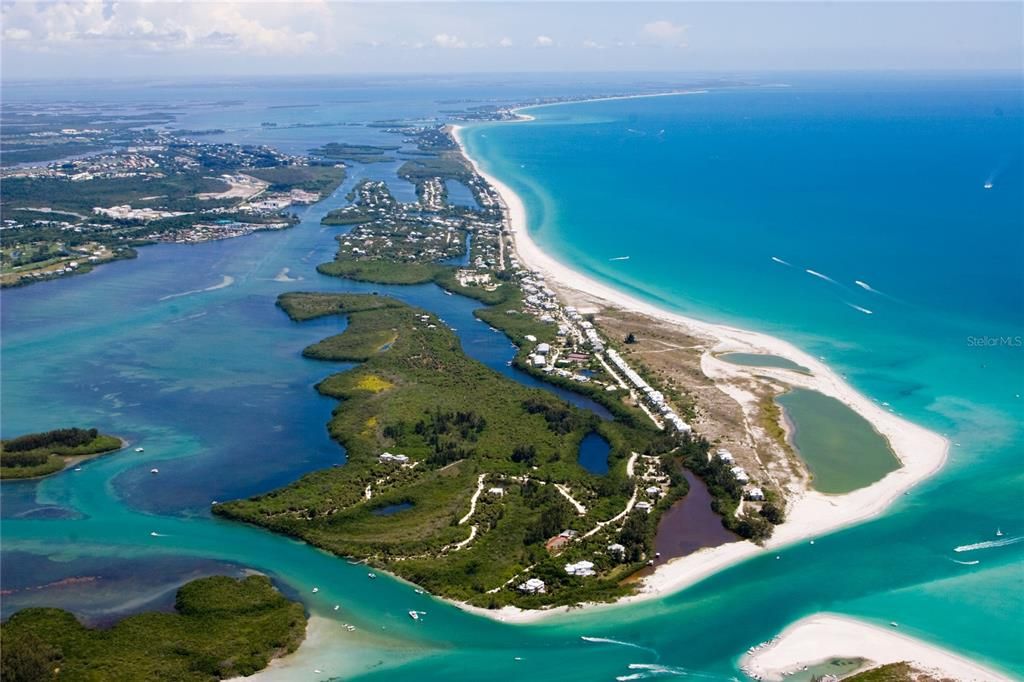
pixel 543 41
pixel 258 28
pixel 505 42
pixel 445 40
pixel 17 34
pixel 664 31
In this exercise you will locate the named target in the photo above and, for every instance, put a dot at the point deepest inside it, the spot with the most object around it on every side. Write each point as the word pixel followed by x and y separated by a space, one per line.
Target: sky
pixel 117 39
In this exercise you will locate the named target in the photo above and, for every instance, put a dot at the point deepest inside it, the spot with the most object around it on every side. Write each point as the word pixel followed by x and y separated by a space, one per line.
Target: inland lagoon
pixel 841 448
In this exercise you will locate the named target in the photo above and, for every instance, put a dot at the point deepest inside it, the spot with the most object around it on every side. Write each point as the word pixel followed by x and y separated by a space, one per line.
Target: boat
pixel 371 576
pixel 448 292
pixel 999 532
pixel 419 591
pixel 894 624
pixel 988 185
pixel 154 471
pixel 336 607
pixel 315 590
pixel 140 449
pixel 78 468
pixel 414 615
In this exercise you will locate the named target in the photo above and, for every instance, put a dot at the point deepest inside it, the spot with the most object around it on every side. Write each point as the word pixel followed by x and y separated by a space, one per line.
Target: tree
pixel 631 338
pixel 27 658
pixel 773 513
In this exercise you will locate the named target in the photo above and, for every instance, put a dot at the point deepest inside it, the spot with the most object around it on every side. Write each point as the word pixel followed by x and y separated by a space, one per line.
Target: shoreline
pixel 921 452
pixel 817 638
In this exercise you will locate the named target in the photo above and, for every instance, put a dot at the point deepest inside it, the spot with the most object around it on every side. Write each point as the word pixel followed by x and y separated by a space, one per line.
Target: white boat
pixel 894 624
pixel 371 576
pixel 78 468
pixel 315 590
pixel 419 592
pixel 140 449
pixel 154 471
pixel 988 185
pixel 336 607
pixel 350 628
pixel 999 532
pixel 414 615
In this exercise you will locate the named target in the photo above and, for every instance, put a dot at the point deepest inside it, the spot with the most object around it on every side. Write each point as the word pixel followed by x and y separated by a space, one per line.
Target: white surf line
pixel 226 282
pixel 472 500
pixel 567 495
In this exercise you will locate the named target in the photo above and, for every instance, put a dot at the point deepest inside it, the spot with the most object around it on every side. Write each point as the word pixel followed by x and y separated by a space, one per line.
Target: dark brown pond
pixel 690 524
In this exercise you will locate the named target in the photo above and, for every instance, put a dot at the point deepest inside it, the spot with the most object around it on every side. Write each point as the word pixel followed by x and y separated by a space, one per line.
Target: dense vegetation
pixel 892 672
pixel 38 454
pixel 727 493
pixel 322 179
pixel 417 394
pixel 223 628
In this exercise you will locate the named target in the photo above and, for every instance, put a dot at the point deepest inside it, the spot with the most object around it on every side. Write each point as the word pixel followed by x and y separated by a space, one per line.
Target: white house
pixel 726 456
pixel 580 568
pixel 497 492
pixel 644 506
pixel 388 458
pixel 754 493
pixel 532 586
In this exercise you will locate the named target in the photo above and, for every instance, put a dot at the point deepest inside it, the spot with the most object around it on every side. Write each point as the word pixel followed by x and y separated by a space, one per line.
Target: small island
pixel 41 454
pixel 222 628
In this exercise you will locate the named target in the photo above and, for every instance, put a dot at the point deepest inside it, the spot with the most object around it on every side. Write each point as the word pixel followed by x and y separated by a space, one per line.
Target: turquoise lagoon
pixel 857 180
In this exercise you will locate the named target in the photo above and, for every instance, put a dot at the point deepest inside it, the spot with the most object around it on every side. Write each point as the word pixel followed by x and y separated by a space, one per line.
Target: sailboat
pixel 999 532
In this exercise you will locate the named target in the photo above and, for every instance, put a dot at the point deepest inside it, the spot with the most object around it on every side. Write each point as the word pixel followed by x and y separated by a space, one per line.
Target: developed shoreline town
pixel 577 333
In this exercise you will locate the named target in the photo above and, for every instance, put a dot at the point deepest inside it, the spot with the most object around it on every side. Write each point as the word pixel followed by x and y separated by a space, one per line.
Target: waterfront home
pixel 543 348
pixel 616 550
pixel 581 568
pixel 653 491
pixel 740 474
pixel 644 506
pixel 726 456
pixel 532 586
pixel 753 493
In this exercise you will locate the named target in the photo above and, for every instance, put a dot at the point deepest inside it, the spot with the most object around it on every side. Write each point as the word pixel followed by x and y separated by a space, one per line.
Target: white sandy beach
pixel 822 636
pixel 811 514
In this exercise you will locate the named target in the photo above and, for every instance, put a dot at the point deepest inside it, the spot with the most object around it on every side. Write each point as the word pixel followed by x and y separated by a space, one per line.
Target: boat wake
pixel 283 276
pixel 782 262
pixel 815 273
pixel 226 282
pixel 989 544
pixel 857 307
pixel 620 258
pixel 966 563
pixel 646 671
pixel 616 642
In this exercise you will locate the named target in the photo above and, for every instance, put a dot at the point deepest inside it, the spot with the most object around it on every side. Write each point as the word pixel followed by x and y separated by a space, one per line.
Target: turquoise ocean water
pixel 876 181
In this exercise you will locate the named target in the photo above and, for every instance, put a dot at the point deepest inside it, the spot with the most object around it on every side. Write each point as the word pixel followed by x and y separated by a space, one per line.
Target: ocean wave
pixel 990 544
pixel 226 282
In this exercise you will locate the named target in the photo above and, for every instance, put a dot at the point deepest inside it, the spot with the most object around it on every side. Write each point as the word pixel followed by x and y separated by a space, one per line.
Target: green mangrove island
pixel 41 454
pixel 222 628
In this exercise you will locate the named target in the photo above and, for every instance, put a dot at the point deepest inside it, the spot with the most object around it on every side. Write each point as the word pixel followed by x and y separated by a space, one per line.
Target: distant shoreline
pixel 921 452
